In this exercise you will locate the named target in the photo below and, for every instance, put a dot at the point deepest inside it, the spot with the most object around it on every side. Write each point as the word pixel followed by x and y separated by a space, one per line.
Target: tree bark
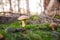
pixel 50 4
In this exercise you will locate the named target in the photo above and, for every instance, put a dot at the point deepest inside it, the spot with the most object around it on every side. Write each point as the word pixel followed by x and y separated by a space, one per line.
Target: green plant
pixel 34 17
pixel 3 26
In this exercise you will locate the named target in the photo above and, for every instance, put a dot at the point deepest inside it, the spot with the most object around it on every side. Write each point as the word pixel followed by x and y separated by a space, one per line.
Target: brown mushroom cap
pixel 23 17
pixel 1 36
pixel 53 25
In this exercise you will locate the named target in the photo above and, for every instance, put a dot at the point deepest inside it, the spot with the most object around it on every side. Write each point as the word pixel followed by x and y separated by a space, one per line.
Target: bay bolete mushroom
pixel 53 25
pixel 23 19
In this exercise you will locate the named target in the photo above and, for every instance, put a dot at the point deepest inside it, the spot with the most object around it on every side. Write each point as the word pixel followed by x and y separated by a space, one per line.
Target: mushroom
pixel 23 19
pixel 1 37
pixel 53 25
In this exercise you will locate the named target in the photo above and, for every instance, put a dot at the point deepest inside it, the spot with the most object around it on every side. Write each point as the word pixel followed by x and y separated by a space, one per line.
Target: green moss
pixel 33 32
pixel 34 17
pixel 57 17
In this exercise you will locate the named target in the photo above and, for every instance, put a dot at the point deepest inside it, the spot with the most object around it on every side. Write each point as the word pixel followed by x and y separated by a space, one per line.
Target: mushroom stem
pixel 53 29
pixel 23 23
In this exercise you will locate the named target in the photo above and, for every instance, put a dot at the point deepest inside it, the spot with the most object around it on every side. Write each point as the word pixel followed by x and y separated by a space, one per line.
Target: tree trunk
pixel 50 4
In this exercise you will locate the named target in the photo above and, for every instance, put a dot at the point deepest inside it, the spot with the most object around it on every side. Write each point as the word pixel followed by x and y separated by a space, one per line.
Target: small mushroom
pixel 23 18
pixel 2 37
pixel 53 25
